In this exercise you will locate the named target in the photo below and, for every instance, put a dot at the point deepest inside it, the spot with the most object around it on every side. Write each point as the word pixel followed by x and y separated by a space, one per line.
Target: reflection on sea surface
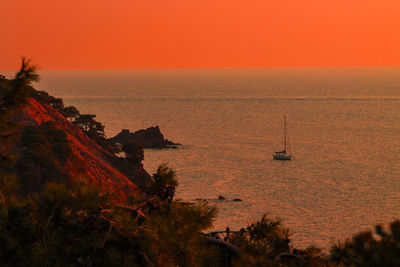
pixel 343 127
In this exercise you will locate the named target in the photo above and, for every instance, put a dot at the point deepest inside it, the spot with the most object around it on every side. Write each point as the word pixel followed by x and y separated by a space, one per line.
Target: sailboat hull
pixel 282 157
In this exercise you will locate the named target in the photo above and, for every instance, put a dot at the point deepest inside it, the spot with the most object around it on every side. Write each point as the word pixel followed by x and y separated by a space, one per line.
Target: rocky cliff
pixel 147 138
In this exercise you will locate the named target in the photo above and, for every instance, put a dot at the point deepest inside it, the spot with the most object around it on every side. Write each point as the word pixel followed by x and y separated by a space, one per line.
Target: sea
pixel 343 128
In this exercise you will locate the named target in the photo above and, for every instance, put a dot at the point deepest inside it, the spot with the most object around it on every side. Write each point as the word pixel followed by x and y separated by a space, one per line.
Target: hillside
pixel 88 158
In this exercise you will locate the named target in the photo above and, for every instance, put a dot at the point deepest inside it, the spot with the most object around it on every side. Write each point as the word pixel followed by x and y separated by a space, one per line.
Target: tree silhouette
pixel 90 126
pixel 13 94
pixel 20 86
pixel 163 179
pixel 70 112
pixel 370 249
pixel 134 152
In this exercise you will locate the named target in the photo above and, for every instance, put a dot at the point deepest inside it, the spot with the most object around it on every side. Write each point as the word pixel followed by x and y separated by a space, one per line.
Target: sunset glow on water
pixel 342 124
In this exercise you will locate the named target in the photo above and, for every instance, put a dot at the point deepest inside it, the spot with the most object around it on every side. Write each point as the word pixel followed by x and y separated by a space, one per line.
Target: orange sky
pixel 111 34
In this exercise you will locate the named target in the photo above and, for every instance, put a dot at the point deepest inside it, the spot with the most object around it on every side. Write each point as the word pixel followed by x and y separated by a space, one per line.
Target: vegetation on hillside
pixel 13 95
pixel 46 151
pixel 82 225
pixel 86 122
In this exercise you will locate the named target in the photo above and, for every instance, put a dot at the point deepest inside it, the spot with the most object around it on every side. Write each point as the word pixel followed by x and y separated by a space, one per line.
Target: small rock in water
pixel 221 197
pixel 237 199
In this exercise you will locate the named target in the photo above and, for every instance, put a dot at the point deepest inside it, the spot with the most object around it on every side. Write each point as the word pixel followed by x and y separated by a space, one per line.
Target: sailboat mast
pixel 284 122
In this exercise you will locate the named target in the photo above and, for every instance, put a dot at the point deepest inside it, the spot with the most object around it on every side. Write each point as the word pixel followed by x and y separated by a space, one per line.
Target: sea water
pixel 343 126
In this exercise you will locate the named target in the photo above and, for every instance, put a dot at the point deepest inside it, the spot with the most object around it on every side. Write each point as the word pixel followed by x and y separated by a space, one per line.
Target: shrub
pixel 134 152
pixel 83 225
pixel 46 150
pixel 369 249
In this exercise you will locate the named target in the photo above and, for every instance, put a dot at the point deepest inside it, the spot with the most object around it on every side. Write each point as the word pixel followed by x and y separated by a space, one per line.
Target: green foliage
pixel 267 243
pixel 93 128
pixel 4 87
pixel 70 112
pixel 341 254
pixel 86 122
pixel 262 242
pixel 46 150
pixel 134 151
pixel 27 73
pixel 13 95
pixel 19 88
pixel 89 125
pixel 163 178
pixel 65 226
pixel 83 225
pixel 9 184
pixel 381 248
pixel 56 103
pixel 172 233
pixel 8 136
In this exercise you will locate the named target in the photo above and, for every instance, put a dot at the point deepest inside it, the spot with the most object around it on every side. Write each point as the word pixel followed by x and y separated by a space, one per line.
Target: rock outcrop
pixel 147 138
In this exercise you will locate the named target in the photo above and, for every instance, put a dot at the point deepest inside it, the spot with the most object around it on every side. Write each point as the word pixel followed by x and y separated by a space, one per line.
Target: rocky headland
pixel 147 138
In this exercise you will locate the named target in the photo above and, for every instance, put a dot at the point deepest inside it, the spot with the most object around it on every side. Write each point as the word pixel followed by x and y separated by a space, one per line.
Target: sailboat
pixel 283 155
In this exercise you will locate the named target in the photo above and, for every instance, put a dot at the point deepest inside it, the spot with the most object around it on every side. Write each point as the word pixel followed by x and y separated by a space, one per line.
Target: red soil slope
pixel 89 159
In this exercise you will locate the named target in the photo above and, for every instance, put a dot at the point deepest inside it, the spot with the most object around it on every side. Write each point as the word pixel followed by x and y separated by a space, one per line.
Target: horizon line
pixel 216 68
